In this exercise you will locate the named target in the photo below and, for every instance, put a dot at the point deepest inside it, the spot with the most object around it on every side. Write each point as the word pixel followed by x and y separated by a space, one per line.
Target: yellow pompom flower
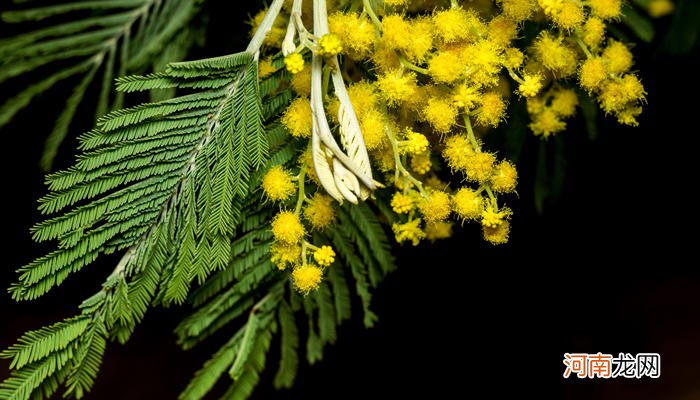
pixel 605 9
pixel 395 32
pixel 277 184
pixel 467 204
pixel 479 166
pixel 372 127
pixel 298 118
pixel 498 235
pixel 569 17
pixel 502 30
pixel 628 116
pixel 513 58
pixel 287 228
pixel 457 152
pixel 517 10
pixel 410 231
pixel 593 32
pixel 415 142
pixel 330 45
pixel 551 7
pixel 401 203
pixel 421 163
pixel 530 85
pixel 301 82
pixel 265 68
pixel 618 57
pixel 284 255
pixel 546 123
pixel 436 207
pixel 395 3
pixel 592 73
pixel 421 33
pixel 294 63
pixel 446 67
pixel 504 178
pixel 324 256
pixel 465 96
pixel 616 95
pixel 440 114
pixel 451 25
pixel 492 110
pixel 319 211
pixel 564 102
pixel 385 58
pixel 306 278
pixel 438 230
pixel 356 32
pixel 492 217
pixel 397 87
pixel 363 96
pixel 555 55
pixel 484 60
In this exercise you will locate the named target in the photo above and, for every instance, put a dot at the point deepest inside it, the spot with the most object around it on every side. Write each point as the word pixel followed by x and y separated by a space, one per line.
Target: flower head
pixel 277 184
pixel 306 278
pixel 330 45
pixel 319 212
pixel 287 228
pixel 409 232
pixel 324 256
pixel 294 63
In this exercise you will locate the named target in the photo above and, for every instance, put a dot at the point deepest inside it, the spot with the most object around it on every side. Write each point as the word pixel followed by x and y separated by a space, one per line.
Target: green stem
pixel 301 196
pixel 411 66
pixel 470 133
pixel 583 46
pixel 370 11
pixel 399 168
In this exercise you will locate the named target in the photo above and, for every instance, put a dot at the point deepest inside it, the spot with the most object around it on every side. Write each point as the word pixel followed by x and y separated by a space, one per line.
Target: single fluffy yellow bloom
pixel 397 87
pixel 319 211
pixel 438 230
pixel 306 278
pixel 446 67
pixel 298 118
pixel 492 110
pixel 301 82
pixel 436 207
pixel 593 32
pixel 530 86
pixel 401 203
pixel 457 152
pixel 492 217
pixel 546 123
pixel 330 45
pixel 324 256
pixel 564 102
pixel 440 114
pixel 284 255
pixel 498 235
pixel 618 57
pixel 277 184
pixel 605 9
pixel 517 10
pixel 287 228
pixel 421 163
pixel 504 178
pixel 479 166
pixel 592 73
pixel 410 231
pixel 294 63
pixel 467 204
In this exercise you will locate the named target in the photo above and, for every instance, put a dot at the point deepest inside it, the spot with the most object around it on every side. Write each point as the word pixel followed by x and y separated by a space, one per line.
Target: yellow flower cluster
pixel 426 81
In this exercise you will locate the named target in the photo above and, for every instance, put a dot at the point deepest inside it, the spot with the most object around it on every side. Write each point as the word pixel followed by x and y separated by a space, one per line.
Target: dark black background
pixel 608 268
